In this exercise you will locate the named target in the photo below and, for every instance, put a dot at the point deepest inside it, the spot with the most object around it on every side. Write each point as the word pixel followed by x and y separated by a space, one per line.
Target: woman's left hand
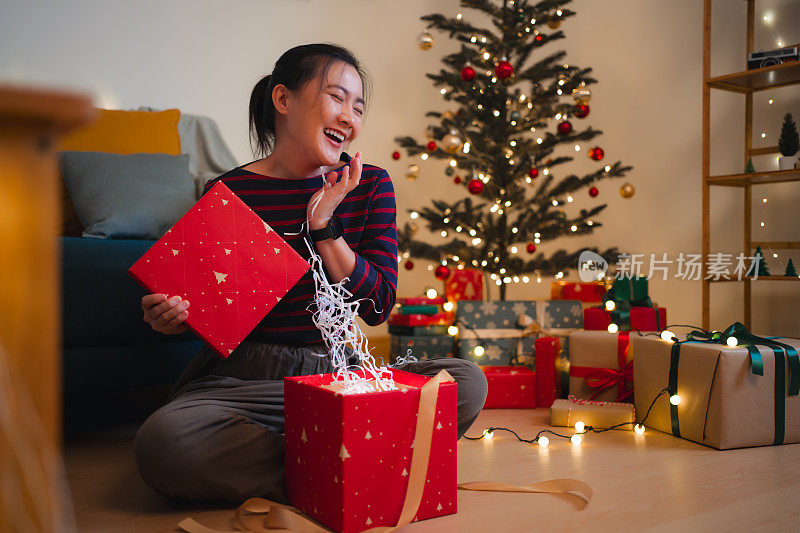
pixel 333 193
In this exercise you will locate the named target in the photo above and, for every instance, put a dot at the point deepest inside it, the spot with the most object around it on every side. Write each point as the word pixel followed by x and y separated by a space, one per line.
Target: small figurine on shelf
pixel 749 168
pixel 788 143
pixel 759 267
pixel 791 272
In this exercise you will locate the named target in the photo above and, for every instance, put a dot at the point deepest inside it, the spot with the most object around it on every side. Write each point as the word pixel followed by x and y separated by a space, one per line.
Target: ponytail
pixel 262 117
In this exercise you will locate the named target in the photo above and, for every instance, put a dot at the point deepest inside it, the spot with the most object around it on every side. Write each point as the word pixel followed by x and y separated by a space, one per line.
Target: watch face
pixel 336 226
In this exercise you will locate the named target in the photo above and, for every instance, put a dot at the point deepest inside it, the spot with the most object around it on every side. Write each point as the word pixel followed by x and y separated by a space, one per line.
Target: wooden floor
pixel 652 482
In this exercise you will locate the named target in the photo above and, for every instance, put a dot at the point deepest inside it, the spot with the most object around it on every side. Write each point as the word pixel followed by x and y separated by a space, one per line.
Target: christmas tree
pixel 790 270
pixel 759 266
pixel 518 104
pixel 749 168
pixel 789 141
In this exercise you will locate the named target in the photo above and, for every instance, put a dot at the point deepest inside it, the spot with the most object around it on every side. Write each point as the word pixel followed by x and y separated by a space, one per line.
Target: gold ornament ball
pixel 425 40
pixel 554 22
pixel 448 115
pixel 413 172
pixel 582 95
pixel 627 190
pixel 451 143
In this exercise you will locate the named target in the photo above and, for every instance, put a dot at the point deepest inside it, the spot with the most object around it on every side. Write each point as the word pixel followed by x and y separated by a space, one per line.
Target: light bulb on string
pixel 732 342
pixel 543 441
pixel 674 399
pixel 576 439
pixel 610 305
pixel 638 429
pixel 488 434
pixel 667 335
pixel 579 426
pixel 448 306
pixel 613 328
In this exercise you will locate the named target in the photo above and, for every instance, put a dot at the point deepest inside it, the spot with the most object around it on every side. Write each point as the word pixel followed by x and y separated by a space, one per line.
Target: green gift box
pixel 421 346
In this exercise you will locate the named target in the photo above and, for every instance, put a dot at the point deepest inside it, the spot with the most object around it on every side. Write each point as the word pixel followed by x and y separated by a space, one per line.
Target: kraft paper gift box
pixel 600 366
pixel 510 387
pixel 422 346
pixel 348 457
pixel 599 415
pixel 230 265
pixel 723 403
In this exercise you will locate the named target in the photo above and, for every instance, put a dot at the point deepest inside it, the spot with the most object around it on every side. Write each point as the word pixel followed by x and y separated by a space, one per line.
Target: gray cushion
pixel 136 196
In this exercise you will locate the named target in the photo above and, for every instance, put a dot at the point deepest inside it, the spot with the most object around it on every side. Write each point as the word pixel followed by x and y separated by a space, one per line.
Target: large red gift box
pixel 348 457
pixel 464 284
pixel 591 292
pixel 641 318
pixel 439 319
pixel 230 265
pixel 510 387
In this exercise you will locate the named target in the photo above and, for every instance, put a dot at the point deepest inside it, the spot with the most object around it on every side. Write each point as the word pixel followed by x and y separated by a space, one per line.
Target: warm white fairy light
pixel 763 134
pixel 558 12
pixel 466 147
pixel 613 328
pixel 779 42
pixel 577 148
pixel 513 249
pixel 579 426
pixel 414 215
pixel 444 233
pixel 448 306
pixel 576 440
pixel 762 224
pixel 638 429
pixel 486 55
pixel 569 198
pixel 458 17
pixel 543 441
pixel 559 275
pixel 516 279
pixel 667 335
pixel 525 279
pixel 431 293
pixel 472 232
pixel 513 143
pixel 770 101
pixel 546 171
pixel 443 91
pixel 538 279
pixel 514 229
pixel 763 200
pixel 538 140
pixel 573 228
pixel 537 235
pixel 424 157
pixel 768 18
pixel 476 241
pixel 607 168
pixel 589 223
pixel 452 331
pixel 559 92
pixel 488 434
pixel 558 115
pixel 610 305
pixel 674 399
pixel 478 351
pixel 473 39
pixel 555 202
pixel 502 270
pixel 536 241
pixel 453 162
pixel 732 342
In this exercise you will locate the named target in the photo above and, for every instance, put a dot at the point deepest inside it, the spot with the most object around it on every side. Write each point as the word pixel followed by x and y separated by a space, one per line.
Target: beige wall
pixel 203 57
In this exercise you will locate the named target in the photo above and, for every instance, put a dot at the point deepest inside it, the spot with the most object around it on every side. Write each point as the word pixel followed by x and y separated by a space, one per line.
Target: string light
pixel 674 399
pixel 488 434
pixel 638 429
pixel 424 157
pixel 576 440
pixel 452 331
pixel 479 351
pixel 613 328
pixel 579 426
pixel 732 342
pixel 431 293
pixel 770 101
pixel 610 305
pixel 414 215
pixel 448 306
pixel 543 441
pixel 668 336
pixel 607 168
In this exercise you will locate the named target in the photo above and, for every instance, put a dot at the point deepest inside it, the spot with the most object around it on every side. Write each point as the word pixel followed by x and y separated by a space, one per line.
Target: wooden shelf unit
pixel 746 83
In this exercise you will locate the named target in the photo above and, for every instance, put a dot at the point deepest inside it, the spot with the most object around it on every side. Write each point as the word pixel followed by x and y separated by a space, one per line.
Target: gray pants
pixel 220 434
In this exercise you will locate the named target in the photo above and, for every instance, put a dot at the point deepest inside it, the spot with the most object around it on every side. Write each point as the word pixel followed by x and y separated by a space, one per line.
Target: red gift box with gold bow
pixel 359 461
pixel 600 366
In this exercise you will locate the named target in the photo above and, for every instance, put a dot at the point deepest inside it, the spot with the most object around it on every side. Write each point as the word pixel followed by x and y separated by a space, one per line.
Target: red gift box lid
pixel 230 265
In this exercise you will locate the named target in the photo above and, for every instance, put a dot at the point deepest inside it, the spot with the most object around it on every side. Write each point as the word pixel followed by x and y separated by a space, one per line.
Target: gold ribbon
pixel 262 515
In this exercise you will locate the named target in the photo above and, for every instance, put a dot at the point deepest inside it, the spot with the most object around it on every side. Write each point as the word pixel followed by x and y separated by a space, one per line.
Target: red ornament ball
pixel 475 186
pixel 457 180
pixel 395 155
pixel 409 264
pixel 538 38
pixel 581 110
pixel 565 128
pixel 531 247
pixel 596 153
pixel 593 192
pixel 467 73
pixel 442 272
pixel 431 146
pixel 533 172
pixel 503 70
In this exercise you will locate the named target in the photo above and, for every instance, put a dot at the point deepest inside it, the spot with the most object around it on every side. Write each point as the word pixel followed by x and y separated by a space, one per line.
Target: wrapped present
pixel 635 318
pixel 354 461
pixel 591 292
pixel 423 346
pixel 729 397
pixel 506 330
pixel 599 415
pixel 439 319
pixel 600 366
pixel 227 262
pixel 416 331
pixel 464 284
pixel 628 289
pixel 419 309
pixel 510 387
pixel 421 300
pixel 548 352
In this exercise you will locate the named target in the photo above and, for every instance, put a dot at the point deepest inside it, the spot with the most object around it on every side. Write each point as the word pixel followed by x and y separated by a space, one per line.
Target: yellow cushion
pixel 128 132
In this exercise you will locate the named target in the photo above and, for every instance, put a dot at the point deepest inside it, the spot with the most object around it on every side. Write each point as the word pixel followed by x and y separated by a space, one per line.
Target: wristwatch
pixel 333 230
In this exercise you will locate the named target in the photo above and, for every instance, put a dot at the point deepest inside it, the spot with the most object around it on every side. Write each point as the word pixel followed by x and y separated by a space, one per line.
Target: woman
pixel 219 436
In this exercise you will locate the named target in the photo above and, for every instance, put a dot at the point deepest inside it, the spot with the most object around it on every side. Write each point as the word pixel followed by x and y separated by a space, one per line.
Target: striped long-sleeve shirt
pixel 368 215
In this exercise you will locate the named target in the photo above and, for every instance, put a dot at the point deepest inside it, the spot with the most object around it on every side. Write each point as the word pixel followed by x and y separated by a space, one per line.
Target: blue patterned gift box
pixel 507 330
pixel 422 346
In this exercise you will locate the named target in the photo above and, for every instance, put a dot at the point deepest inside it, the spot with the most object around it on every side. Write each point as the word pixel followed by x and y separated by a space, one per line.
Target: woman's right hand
pixel 165 315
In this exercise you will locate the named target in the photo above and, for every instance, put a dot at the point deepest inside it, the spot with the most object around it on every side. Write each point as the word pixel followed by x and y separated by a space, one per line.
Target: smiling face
pixel 322 122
